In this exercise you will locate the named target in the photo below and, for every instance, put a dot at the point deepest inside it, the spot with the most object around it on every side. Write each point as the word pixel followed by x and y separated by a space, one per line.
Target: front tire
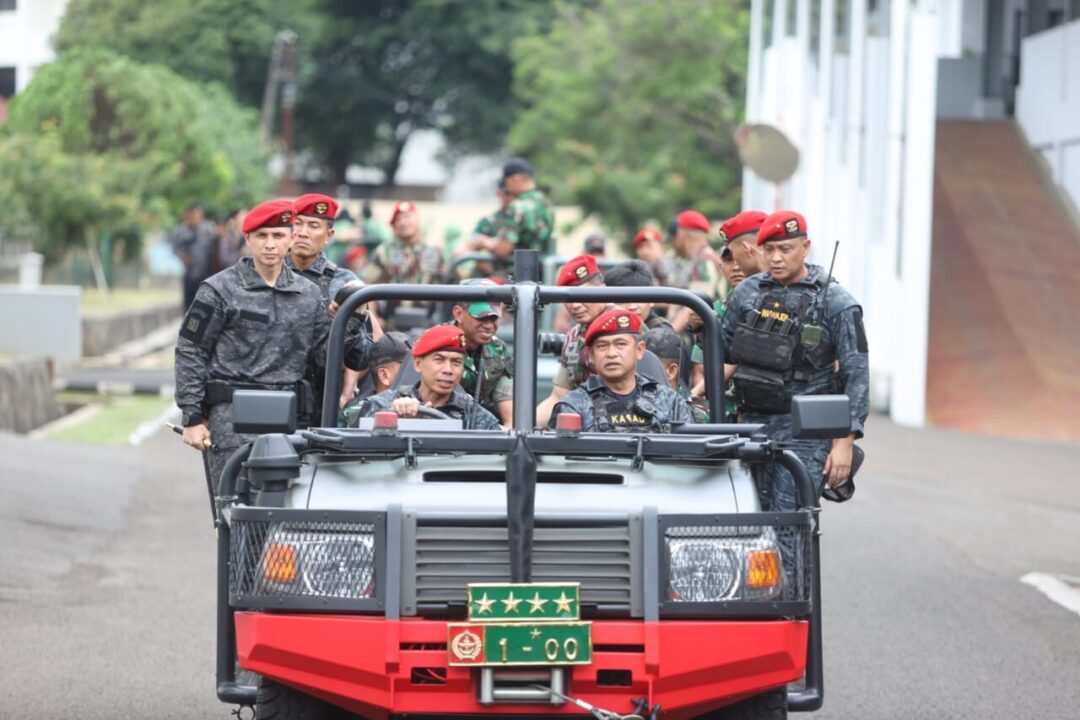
pixel 771 705
pixel 279 702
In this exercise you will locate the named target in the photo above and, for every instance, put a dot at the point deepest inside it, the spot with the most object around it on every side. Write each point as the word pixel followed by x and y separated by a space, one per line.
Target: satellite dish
pixel 767 151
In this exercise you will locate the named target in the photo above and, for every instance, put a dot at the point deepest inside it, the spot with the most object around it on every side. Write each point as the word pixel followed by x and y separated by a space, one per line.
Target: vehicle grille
pixel 449 558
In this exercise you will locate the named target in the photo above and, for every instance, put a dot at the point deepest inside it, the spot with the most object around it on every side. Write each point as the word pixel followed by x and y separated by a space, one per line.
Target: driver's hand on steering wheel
pixel 406 406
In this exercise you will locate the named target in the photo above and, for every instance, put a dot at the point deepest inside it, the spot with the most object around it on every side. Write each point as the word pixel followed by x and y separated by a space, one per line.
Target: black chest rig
pixel 777 343
pixel 645 406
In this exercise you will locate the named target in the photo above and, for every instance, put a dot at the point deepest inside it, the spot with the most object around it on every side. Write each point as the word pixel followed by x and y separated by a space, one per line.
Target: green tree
pixel 630 107
pixel 99 143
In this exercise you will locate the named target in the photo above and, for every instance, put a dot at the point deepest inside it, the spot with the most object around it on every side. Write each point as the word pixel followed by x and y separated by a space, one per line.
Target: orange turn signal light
pixel 763 569
pixel 280 564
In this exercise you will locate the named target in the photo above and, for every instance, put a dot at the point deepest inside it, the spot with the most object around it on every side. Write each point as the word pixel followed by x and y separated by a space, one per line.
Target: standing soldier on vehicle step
pixel 439 358
pixel 489 363
pixel 786 330
pixel 405 258
pixel 255 325
pixel 532 219
pixel 616 398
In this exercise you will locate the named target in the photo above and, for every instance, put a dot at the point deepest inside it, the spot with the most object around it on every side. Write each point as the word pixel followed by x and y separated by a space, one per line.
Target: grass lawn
pixel 112 426
pixel 93 302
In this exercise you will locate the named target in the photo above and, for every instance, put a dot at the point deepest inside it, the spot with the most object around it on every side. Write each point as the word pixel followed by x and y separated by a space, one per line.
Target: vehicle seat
pixel 650 367
pixel 407 375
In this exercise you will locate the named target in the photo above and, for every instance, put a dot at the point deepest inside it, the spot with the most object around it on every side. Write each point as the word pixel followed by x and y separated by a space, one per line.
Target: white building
pixel 26 30
pixel 863 88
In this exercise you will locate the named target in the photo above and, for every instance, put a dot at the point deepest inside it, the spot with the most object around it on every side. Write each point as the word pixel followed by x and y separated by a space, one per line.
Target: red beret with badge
pixel 578 271
pixel 402 206
pixel 693 220
pixel 782 225
pixel 748 221
pixel 316 205
pixel 441 338
pixel 645 235
pixel 272 213
pixel 614 321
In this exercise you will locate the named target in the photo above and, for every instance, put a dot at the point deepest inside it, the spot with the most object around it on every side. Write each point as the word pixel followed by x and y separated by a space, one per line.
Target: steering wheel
pixel 433 413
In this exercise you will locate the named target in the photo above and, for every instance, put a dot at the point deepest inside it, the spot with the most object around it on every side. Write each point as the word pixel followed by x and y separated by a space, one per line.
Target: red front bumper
pixel 378 667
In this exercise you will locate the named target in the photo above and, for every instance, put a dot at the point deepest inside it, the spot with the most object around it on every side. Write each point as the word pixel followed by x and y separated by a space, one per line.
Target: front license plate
pixel 536 644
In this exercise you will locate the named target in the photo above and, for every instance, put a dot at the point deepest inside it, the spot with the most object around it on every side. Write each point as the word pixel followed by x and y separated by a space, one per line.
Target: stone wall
pixel 26 395
pixel 105 332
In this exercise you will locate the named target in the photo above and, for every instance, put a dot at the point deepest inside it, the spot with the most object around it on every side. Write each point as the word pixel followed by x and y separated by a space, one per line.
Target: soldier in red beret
pixel 439 358
pixel 740 236
pixel 787 332
pixel 649 248
pixel 255 325
pixel 405 258
pixel 691 267
pixel 616 398
pixel 581 271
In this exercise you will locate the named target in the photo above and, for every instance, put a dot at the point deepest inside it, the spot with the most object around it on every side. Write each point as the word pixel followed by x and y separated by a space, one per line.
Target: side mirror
pixel 820 416
pixel 260 412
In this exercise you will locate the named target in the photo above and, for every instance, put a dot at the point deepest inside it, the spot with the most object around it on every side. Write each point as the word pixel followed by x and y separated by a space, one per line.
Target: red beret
pixel 693 220
pixel 441 337
pixel 316 205
pixel 782 225
pixel 645 235
pixel 748 221
pixel 272 213
pixel 614 321
pixel 400 207
pixel 578 271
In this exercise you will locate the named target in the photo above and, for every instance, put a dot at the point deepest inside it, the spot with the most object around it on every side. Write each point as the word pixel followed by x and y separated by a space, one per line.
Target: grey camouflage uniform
pixel 659 406
pixel 241 332
pixel 329 277
pixel 460 407
pixel 843 339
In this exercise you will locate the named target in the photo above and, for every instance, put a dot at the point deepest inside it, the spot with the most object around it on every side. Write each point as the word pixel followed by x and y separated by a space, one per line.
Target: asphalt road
pixel 106 597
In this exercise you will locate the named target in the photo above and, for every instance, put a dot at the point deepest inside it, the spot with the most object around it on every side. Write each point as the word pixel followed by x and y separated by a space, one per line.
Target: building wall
pixel 1048 102
pixel 25 36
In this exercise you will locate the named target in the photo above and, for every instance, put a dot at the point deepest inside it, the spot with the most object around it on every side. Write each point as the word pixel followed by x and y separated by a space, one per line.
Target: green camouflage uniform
pixel 532 220
pixel 460 407
pixel 494 383
pixel 574 365
pixel 498 224
pixel 697 357
pixel 396 262
pixel 694 273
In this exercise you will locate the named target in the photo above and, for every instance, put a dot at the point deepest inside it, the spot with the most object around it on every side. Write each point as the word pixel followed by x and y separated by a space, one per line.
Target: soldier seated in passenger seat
pixel 616 398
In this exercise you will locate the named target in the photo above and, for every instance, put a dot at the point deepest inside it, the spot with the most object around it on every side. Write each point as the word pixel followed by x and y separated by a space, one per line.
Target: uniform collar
pixel 812 278
pixel 321 266
pixel 456 397
pixel 595 382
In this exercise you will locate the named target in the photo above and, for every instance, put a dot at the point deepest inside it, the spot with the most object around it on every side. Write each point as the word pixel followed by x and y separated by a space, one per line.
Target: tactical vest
pixel 647 403
pixel 773 346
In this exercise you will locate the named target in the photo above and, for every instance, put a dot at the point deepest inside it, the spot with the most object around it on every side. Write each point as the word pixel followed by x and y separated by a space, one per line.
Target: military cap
pixel 782 225
pixel 693 220
pixel 272 213
pixel 391 347
pixel 595 243
pixel 645 235
pixel 315 205
pixel 748 221
pixel 578 271
pixel 446 338
pixel 665 343
pixel 402 206
pixel 517 166
pixel 480 310
pixel 614 321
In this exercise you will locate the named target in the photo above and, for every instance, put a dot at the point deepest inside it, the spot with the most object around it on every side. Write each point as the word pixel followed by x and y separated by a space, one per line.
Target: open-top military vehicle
pixel 410 568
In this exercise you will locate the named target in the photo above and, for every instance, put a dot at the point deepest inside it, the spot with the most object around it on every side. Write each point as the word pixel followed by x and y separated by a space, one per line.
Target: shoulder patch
pixel 196 321
pixel 860 333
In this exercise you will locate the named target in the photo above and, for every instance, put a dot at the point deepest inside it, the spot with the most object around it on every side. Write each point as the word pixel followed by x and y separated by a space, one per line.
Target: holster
pixel 760 390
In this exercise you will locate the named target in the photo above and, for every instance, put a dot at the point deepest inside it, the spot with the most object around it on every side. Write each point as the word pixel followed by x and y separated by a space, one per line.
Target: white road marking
pixel 1062 589
pixel 148 428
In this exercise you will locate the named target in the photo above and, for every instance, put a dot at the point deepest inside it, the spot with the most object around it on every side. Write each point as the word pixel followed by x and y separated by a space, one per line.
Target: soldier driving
pixel 616 398
pixel 257 324
pixel 489 363
pixel 439 358
pixel 786 330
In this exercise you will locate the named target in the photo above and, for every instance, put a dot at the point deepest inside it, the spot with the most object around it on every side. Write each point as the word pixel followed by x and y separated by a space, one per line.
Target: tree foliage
pixel 99 142
pixel 630 107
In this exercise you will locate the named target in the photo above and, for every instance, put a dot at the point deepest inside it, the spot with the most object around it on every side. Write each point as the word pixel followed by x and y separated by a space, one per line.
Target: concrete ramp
pixel 1004 346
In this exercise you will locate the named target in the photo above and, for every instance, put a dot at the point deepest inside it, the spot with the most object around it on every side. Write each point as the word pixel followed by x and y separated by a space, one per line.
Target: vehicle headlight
pixel 320 564
pixel 704 568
